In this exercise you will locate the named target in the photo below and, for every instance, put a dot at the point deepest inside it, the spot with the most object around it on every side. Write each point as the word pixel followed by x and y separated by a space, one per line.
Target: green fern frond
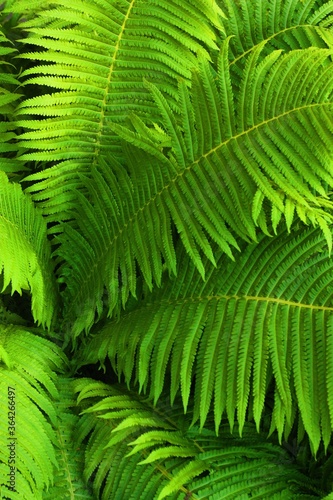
pixel 268 140
pixel 109 243
pixel 266 317
pixel 28 366
pixel 240 160
pixel 25 252
pixel 137 451
pixel 286 25
pixel 96 60
pixel 8 101
pixel 68 478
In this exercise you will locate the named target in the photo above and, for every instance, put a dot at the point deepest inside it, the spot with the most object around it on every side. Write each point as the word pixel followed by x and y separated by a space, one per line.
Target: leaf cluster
pixel 166 302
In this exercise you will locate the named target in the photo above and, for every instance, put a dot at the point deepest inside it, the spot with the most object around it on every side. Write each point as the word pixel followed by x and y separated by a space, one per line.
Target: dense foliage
pixel 166 305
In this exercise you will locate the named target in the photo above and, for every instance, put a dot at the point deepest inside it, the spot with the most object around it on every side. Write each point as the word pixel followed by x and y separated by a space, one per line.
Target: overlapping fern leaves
pixel 283 25
pixel 95 56
pixel 92 67
pixel 137 451
pixel 227 163
pixel 68 475
pixel 27 374
pixel 266 317
pixel 25 252
pixel 169 141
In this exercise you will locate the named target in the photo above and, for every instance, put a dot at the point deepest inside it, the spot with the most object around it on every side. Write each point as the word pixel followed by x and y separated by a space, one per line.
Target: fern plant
pixel 165 249
pixel 261 318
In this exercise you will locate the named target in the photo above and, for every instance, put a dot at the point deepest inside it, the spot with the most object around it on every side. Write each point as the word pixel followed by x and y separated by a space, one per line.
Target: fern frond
pixel 266 317
pixel 241 159
pixel 8 101
pixel 108 244
pixel 268 140
pixel 137 451
pixel 68 478
pixel 96 60
pixel 25 252
pixel 286 25
pixel 27 393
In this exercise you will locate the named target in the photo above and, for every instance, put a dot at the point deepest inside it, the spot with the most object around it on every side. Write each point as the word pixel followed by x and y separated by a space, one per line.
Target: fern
pixel 166 187
pixel 25 253
pixel 261 143
pixel 8 98
pixel 163 458
pixel 266 316
pixel 27 391
pixel 282 25
pixel 95 55
pixel 221 179
pixel 39 404
pixel 68 478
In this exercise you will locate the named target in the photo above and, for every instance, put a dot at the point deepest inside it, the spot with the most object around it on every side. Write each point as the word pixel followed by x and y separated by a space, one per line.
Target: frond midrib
pixel 107 87
pixel 211 151
pixel 218 297
pixel 65 465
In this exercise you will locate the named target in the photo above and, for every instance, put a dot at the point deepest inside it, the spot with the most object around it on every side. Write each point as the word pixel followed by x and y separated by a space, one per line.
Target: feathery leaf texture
pixel 283 25
pixel 238 163
pixel 25 252
pixel 8 100
pixel 96 59
pixel 268 316
pixel 268 140
pixel 28 366
pixel 286 25
pixel 68 478
pixel 136 451
pixel 166 136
